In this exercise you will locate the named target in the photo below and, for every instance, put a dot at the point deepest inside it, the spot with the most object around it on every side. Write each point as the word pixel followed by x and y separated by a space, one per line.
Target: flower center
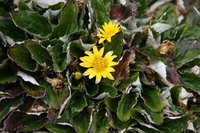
pixel 99 64
pixel 109 34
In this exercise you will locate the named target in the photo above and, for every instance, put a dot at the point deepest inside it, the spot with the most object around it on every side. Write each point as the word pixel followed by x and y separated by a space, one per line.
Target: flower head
pixel 109 30
pixel 98 65
pixel 78 75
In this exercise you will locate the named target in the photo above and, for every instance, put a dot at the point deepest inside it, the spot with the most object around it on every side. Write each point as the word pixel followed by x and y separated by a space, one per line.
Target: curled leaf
pixel 172 73
pixel 122 12
pixel 19 121
pixel 123 69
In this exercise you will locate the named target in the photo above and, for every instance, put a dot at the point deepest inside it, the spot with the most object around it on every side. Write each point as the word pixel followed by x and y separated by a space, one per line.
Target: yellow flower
pixel 109 30
pixel 78 75
pixel 98 65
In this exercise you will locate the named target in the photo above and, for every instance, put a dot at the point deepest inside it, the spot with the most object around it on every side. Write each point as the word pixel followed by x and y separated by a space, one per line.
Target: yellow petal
pixel 104 27
pixel 86 73
pixel 109 69
pixel 89 53
pixel 101 40
pixel 87 59
pixel 103 73
pixel 91 75
pixel 98 79
pixel 109 39
pixel 83 58
pixel 95 50
pixel 100 35
pixel 109 55
pixel 93 71
pixel 109 76
pixel 87 65
pixel 101 51
pixel 102 31
pixel 112 63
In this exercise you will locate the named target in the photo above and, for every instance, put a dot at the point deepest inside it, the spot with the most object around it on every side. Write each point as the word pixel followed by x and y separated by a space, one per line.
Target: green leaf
pixel 7 6
pixel 162 10
pixel 162 27
pixel 7 105
pixel 190 64
pixel 92 89
pixel 142 8
pixel 157 117
pixel 126 82
pixel 170 16
pixel 180 32
pixel 90 102
pixel 52 8
pixel 169 34
pixel 185 56
pixel 76 50
pixel 52 115
pixel 12 90
pixel 74 37
pixel 8 28
pixel 192 33
pixel 197 123
pixel 3 55
pixel 24 122
pixel 83 19
pixel 23 6
pixel 178 109
pixel 152 53
pixel 190 80
pixel 46 43
pixel 33 90
pixel 142 58
pixel 130 131
pixel 68 21
pixel 59 58
pixel 56 128
pixel 137 39
pixel 175 92
pixel 125 106
pixel 151 98
pixel 102 17
pixel 106 88
pixel 115 45
pixel 136 67
pixel 115 122
pixel 54 99
pixel 174 125
pixel 98 5
pixel 196 111
pixel 32 22
pixel 112 103
pixel 100 121
pixel 20 55
pixel 7 75
pixel 137 115
pixel 82 120
pixel 40 54
pixel 35 122
pixel 147 129
pixel 75 105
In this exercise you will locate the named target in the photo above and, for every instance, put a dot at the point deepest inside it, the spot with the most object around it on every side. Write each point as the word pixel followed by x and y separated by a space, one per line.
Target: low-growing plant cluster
pixel 99 66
